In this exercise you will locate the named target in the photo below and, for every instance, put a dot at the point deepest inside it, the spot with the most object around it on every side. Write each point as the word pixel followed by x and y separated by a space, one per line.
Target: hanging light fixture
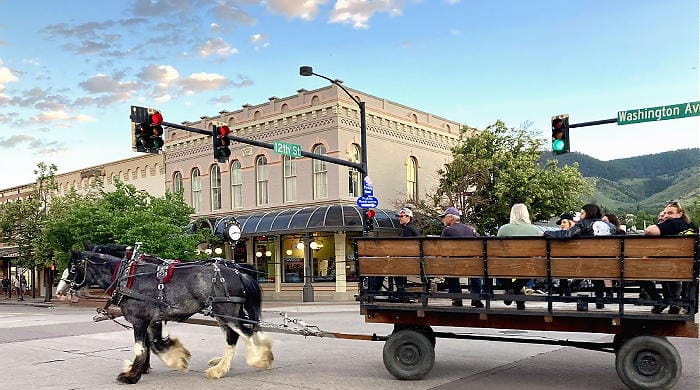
pixel 258 254
pixel 288 252
pixel 300 245
pixel 268 253
pixel 218 250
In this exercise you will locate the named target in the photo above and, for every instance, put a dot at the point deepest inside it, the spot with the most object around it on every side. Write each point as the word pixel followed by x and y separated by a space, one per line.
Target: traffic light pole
pixel 594 123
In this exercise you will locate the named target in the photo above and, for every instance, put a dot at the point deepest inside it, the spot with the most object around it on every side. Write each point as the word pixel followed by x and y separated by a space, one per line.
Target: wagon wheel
pixel 408 355
pixel 424 329
pixel 648 362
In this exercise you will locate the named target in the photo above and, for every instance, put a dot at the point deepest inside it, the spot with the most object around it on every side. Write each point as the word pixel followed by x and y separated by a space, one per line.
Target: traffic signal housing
pixel 146 130
pixel 368 219
pixel 560 134
pixel 219 135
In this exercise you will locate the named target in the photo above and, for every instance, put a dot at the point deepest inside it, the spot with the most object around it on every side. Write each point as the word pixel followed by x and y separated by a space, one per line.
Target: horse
pixel 229 292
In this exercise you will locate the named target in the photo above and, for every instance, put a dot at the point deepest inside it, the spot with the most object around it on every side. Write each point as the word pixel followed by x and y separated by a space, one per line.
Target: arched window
pixel 236 184
pixel 353 174
pixel 412 178
pixel 290 178
pixel 196 190
pixel 215 187
pixel 177 182
pixel 261 181
pixel 320 172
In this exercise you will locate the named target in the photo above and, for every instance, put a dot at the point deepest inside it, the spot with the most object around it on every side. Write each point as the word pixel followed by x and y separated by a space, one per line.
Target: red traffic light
pixel 224 131
pixel 370 213
pixel 156 118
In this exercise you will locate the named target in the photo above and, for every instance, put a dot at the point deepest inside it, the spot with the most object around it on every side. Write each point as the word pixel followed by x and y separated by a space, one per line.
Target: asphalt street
pixel 57 346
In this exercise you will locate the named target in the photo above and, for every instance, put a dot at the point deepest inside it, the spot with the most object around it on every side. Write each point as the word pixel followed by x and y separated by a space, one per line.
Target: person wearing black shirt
pixel 408 229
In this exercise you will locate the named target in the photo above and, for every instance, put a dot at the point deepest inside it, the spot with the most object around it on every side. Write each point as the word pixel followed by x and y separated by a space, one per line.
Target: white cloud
pixel 107 84
pixel 6 76
pixel 160 74
pixel 14 140
pixel 54 116
pixel 217 46
pixel 306 10
pixel 358 12
pixel 199 82
pixel 260 41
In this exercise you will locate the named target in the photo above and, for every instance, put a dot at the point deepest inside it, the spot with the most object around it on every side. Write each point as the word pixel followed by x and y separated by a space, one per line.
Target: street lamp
pixel 309 71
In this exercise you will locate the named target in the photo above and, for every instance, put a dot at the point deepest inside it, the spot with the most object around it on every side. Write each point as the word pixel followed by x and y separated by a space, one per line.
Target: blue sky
pixel 70 69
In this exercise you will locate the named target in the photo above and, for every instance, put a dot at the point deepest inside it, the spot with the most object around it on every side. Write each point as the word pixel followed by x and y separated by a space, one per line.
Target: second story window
pixel 177 182
pixel 196 190
pixel 412 178
pixel 290 178
pixel 215 185
pixel 353 174
pixel 320 172
pixel 261 181
pixel 236 184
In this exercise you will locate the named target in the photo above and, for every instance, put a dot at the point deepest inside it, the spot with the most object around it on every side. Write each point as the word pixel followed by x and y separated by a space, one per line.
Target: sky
pixel 71 69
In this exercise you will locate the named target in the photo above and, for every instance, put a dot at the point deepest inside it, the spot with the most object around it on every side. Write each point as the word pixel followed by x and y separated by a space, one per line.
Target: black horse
pixel 152 294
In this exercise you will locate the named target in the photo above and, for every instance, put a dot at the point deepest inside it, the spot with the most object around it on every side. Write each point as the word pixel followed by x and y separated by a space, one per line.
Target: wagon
pixel 644 357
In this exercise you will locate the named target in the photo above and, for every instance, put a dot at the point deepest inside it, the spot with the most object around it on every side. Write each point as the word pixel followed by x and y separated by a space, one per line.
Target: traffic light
pixel 560 134
pixel 368 219
pixel 219 135
pixel 146 130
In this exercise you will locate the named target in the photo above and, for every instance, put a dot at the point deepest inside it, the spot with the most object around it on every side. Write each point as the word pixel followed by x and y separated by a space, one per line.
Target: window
pixel 412 178
pixel 290 178
pixel 261 180
pixel 196 188
pixel 353 174
pixel 177 182
pixel 236 184
pixel 320 172
pixel 215 186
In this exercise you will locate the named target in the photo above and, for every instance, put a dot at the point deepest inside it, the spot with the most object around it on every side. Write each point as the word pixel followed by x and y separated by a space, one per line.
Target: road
pixel 60 347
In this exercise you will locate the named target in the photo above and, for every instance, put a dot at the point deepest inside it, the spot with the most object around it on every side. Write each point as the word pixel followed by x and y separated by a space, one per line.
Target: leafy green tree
pixel 494 168
pixel 123 216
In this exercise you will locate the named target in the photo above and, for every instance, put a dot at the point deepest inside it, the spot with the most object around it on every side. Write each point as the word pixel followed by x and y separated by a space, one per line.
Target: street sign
pixel 661 113
pixel 367 202
pixel 291 150
pixel 368 187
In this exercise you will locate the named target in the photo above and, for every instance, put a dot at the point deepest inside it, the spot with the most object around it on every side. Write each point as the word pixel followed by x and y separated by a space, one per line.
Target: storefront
pixel 279 242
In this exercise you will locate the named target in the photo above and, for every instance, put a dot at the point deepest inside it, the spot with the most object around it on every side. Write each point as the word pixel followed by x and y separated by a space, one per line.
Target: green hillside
pixel 639 183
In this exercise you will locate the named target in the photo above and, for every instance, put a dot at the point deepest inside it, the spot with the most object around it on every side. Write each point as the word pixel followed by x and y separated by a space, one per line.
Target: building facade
pixel 292 209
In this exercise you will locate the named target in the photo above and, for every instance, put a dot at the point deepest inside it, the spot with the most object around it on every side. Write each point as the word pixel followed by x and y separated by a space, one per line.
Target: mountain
pixel 647 182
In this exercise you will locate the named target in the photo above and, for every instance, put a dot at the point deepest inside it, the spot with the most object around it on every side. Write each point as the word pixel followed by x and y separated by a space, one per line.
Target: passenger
pixel 519 226
pixel 619 231
pixel 590 224
pixel 676 221
pixel 408 229
pixel 453 228
pixel 565 222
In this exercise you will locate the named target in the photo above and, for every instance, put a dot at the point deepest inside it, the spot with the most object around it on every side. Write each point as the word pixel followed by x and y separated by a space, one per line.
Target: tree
pixel 124 216
pixel 497 167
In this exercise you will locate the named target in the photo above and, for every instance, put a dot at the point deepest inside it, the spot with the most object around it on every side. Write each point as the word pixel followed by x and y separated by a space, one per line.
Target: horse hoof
pixel 128 378
pixel 215 373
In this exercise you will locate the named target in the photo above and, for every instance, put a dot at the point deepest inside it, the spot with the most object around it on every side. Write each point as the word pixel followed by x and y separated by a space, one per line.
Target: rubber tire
pixel 658 357
pixel 426 330
pixel 408 355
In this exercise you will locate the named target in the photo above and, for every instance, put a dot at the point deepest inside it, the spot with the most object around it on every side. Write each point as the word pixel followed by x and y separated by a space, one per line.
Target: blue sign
pixel 368 188
pixel 367 202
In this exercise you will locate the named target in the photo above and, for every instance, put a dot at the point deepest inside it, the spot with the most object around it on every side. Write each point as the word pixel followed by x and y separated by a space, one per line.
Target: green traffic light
pixel 558 145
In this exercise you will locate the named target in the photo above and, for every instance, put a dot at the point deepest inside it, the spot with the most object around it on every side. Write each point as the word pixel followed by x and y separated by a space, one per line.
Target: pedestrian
pixel 454 228
pixel 22 287
pixel 519 225
pixel 6 286
pixel 408 229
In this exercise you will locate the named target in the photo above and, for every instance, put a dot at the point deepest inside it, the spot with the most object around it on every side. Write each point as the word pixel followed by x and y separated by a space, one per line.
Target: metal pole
pixel 593 123
pixel 308 291
pixel 363 155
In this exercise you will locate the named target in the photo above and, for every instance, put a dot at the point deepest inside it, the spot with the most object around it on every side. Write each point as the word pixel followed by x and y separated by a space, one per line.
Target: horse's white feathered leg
pixel 223 365
pixel 258 349
pixel 176 356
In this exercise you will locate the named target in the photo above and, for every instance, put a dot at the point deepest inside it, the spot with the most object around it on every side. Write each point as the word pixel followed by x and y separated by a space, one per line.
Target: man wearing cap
pixel 408 229
pixel 453 228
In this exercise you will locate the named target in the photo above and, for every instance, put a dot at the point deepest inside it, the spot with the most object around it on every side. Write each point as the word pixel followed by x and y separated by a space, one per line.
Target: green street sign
pixel 661 113
pixel 291 150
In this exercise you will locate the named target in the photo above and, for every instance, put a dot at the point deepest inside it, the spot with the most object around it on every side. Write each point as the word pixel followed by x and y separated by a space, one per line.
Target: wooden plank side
pixel 394 247
pixel 660 246
pixel 533 247
pixel 518 267
pixel 454 266
pixel 389 266
pixel 659 269
pixel 582 268
pixel 465 247
pixel 593 247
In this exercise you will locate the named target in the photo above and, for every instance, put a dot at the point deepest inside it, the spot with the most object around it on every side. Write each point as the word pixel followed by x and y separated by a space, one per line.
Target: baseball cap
pixel 565 216
pixel 451 211
pixel 405 211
